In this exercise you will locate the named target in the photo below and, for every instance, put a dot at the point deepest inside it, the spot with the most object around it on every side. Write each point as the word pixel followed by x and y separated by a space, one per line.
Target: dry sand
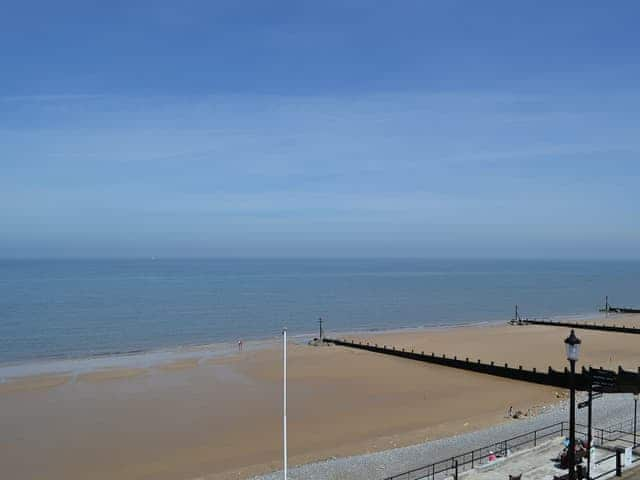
pixel 221 419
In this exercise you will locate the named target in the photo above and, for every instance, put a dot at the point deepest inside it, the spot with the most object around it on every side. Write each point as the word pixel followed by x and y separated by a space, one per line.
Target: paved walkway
pixel 539 463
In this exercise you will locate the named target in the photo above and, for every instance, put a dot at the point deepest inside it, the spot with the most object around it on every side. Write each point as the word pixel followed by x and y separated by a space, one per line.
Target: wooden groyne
pixel 611 309
pixel 608 381
pixel 584 326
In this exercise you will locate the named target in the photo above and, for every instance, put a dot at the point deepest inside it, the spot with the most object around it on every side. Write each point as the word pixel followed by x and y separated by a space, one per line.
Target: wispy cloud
pixel 451 164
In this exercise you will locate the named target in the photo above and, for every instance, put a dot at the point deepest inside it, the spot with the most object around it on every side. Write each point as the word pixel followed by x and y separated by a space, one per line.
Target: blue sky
pixel 457 129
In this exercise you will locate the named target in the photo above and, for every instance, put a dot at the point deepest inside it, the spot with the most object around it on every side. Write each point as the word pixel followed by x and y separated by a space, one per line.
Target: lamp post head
pixel 572 343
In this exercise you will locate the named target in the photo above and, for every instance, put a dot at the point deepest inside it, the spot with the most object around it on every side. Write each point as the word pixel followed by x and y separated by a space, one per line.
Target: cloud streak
pixel 460 163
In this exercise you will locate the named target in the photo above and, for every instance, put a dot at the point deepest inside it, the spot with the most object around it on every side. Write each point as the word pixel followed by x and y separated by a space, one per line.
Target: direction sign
pixel 603 380
pixel 585 404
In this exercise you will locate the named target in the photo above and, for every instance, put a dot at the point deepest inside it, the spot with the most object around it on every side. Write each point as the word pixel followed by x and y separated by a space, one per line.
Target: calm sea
pixel 83 308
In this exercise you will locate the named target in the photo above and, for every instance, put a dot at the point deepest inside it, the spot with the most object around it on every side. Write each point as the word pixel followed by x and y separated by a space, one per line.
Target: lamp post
pixel 635 418
pixel 572 344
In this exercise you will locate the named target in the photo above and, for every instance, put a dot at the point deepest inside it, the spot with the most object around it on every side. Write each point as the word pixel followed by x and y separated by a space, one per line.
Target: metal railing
pixel 480 456
pixel 619 433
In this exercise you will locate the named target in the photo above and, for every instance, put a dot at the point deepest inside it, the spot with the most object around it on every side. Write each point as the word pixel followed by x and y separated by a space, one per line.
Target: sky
pixel 320 129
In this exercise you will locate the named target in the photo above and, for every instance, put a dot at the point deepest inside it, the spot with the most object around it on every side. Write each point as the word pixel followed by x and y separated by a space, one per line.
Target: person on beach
pixel 240 346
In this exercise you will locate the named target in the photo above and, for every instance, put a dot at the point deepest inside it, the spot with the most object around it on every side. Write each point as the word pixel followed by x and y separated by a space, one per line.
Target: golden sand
pixel 221 419
pixel 33 382
pixel 179 364
pixel 112 374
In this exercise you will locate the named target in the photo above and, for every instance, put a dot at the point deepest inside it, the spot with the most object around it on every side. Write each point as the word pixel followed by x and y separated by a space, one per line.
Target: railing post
pixel 472 455
pixel 535 438
pixel 619 452
pixel 456 477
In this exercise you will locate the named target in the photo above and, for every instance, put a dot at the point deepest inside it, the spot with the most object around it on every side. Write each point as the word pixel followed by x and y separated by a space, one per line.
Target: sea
pixel 74 309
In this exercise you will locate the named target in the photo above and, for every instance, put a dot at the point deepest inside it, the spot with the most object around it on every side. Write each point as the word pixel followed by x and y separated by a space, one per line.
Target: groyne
pixel 583 326
pixel 599 379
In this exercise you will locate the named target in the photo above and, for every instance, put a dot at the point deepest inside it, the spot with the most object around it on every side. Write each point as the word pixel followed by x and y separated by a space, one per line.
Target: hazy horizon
pixel 566 259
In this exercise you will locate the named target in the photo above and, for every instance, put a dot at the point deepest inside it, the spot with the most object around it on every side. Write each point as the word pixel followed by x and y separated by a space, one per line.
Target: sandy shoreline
pixel 147 359
pixel 219 416
pixel 159 358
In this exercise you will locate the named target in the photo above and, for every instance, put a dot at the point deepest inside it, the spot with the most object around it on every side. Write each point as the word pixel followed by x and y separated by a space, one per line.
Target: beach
pixel 219 417
pixel 318 240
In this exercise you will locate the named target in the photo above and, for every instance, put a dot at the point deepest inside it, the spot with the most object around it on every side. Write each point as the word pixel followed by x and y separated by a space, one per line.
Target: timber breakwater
pixel 611 309
pixel 583 326
pixel 597 379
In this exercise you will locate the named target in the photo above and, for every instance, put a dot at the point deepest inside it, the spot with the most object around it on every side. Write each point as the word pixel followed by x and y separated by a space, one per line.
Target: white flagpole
pixel 284 409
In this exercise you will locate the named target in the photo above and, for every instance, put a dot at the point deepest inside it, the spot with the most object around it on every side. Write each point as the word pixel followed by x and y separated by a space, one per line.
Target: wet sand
pixel 34 382
pixel 220 418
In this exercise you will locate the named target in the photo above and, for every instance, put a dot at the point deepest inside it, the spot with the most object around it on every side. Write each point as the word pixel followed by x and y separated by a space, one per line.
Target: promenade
pixel 539 464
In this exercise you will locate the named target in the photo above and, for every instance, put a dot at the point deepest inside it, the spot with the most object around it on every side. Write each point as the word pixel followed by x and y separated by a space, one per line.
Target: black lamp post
pixel 572 343
pixel 635 418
